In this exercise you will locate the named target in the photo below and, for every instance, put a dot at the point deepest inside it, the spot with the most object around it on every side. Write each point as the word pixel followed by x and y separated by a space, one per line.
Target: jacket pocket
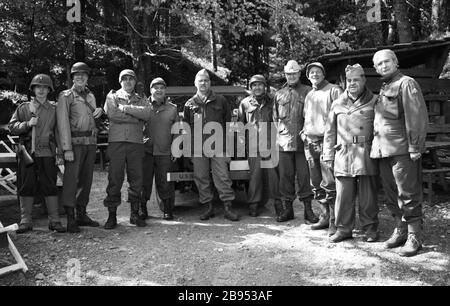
pixel 389 101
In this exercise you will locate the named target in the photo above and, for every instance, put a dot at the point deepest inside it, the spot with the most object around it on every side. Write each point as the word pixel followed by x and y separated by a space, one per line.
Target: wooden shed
pixel 422 60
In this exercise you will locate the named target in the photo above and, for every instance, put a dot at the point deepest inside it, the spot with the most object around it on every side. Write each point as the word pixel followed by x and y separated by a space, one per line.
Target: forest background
pixel 234 39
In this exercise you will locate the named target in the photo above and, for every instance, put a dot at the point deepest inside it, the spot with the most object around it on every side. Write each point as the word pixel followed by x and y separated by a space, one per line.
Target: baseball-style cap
pixel 125 72
pixel 157 81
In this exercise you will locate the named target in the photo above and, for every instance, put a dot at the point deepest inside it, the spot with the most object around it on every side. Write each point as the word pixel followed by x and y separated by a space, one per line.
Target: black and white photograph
pixel 224 149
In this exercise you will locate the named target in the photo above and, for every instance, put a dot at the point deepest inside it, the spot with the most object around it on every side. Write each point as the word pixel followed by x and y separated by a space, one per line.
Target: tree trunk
pixel 403 24
pixel 135 40
pixel 212 29
pixel 436 9
pixel 80 31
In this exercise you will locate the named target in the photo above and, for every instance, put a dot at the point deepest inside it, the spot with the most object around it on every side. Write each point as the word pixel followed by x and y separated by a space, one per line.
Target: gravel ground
pixel 254 251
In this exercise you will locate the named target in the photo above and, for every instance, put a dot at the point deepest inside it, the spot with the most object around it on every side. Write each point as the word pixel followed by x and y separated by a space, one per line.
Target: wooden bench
pixel 431 176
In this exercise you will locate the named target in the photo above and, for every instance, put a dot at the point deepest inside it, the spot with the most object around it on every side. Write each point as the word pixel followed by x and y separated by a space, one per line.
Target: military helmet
pixel 41 80
pixel 257 78
pixel 79 67
pixel 315 64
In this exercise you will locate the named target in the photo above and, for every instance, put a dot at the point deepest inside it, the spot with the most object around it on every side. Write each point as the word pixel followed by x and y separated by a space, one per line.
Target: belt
pixel 360 139
pixel 81 133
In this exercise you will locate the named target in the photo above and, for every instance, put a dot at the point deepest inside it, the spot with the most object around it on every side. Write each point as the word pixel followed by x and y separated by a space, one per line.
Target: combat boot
pixel 72 226
pixel 324 218
pixel 26 208
pixel 339 236
pixel 83 219
pixel 278 208
pixel 168 208
pixel 253 209
pixel 208 212
pixel 134 215
pixel 111 223
pixel 399 236
pixel 56 226
pixel 229 213
pixel 287 213
pixel 143 213
pixel 414 242
pixel 308 214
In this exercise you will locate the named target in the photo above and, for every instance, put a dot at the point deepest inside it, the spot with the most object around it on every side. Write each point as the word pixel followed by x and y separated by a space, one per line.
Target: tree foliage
pixel 159 37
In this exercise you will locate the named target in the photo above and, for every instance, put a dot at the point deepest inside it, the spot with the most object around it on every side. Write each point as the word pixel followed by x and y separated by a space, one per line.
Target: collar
pixel 209 98
pixel 156 103
pixel 362 99
pixel 36 104
pixel 85 90
pixel 320 85
pixel 125 95
pixel 393 77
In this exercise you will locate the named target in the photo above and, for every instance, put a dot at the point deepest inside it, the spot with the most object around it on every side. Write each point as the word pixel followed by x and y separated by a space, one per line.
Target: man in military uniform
pixel 288 116
pixel 37 119
pixel 400 129
pixel 204 107
pixel 255 110
pixel 347 142
pixel 76 112
pixel 317 106
pixel 157 143
pixel 125 147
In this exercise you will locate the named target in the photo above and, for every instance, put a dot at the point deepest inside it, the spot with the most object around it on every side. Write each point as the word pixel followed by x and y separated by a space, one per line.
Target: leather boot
pixel 143 213
pixel 168 209
pixel 83 219
pixel 134 215
pixel 54 224
pixel 26 208
pixel 339 236
pixel 278 208
pixel 229 213
pixel 399 236
pixel 253 209
pixel 208 212
pixel 308 214
pixel 287 213
pixel 324 218
pixel 72 226
pixel 414 242
pixel 111 223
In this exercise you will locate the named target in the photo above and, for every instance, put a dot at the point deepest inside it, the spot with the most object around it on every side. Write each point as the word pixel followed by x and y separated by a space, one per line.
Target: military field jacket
pixel 288 116
pixel 126 126
pixel 252 113
pixel 46 131
pixel 73 115
pixel 157 132
pixel 348 135
pixel 214 109
pixel 401 118
pixel 317 106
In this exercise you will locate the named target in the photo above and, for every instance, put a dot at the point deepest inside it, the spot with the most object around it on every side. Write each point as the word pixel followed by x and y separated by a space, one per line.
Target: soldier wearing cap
pixel 400 129
pixel 317 106
pixel 76 112
pixel 253 111
pixel 38 115
pixel 125 147
pixel 347 142
pixel 204 107
pixel 288 116
pixel 157 143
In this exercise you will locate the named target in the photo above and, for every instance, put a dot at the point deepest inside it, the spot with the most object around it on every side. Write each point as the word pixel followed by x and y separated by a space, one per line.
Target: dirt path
pixel 254 251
